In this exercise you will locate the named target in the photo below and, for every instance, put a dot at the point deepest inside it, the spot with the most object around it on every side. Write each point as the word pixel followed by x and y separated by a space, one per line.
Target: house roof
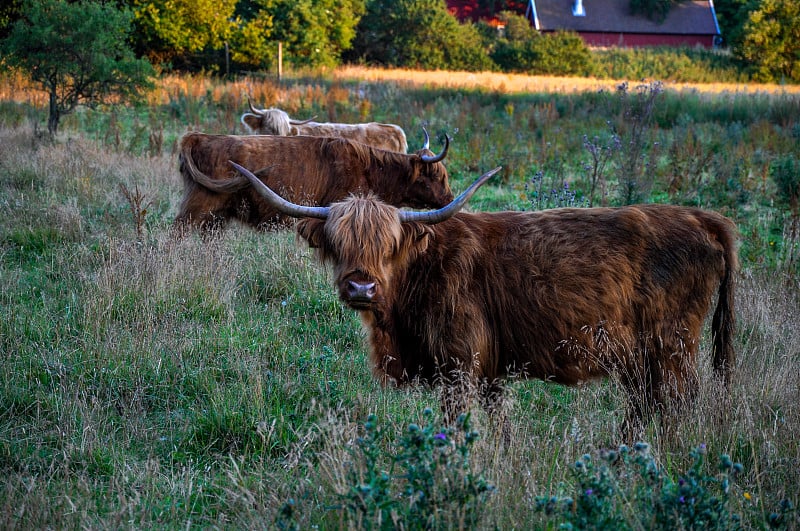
pixel 689 17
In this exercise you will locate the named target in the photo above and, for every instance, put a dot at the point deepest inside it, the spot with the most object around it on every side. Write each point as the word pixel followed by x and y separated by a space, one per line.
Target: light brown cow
pixel 309 170
pixel 565 295
pixel 277 122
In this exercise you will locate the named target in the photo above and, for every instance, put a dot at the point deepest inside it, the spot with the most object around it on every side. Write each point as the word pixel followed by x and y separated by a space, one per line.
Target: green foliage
pixel 542 197
pixel 627 489
pixel 653 9
pixel 559 53
pixel 731 17
pixel 771 45
pixel 667 63
pixel 78 53
pixel 251 44
pixel 315 32
pixel 170 29
pixel 431 38
pixel 426 484
pixel 10 11
pixel 636 150
pixel 785 173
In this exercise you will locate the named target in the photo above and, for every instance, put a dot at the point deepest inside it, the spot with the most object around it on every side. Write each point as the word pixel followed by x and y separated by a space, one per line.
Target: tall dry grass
pixel 148 382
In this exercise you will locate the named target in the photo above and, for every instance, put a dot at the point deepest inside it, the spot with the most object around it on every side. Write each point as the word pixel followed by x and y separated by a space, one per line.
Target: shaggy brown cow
pixel 310 170
pixel 565 295
pixel 276 122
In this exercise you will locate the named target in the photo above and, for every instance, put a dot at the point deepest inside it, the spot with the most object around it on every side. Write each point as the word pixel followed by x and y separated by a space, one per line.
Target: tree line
pixel 82 50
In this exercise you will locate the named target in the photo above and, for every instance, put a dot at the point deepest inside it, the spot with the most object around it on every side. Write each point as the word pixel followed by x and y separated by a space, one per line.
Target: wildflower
pixel 441 436
pixel 589 492
pixel 747 496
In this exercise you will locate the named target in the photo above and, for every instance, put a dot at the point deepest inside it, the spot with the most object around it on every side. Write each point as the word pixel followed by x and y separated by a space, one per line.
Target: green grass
pixel 154 383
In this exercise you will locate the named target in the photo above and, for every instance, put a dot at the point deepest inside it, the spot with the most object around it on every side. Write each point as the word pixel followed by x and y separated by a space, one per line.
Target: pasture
pixel 153 382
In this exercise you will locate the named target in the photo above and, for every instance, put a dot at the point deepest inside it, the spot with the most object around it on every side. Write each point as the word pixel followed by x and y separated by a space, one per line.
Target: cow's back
pixel 382 136
pixel 303 169
pixel 565 294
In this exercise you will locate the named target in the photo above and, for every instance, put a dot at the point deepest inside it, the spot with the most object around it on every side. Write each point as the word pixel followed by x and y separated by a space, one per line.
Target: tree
pixel 417 34
pixel 251 43
pixel 523 49
pixel 732 16
pixel 189 33
pixel 315 32
pixel 169 30
pixel 77 52
pixel 656 10
pixel 10 11
pixel 771 43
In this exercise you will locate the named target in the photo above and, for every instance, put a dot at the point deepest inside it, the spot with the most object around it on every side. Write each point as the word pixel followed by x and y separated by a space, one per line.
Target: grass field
pixel 148 382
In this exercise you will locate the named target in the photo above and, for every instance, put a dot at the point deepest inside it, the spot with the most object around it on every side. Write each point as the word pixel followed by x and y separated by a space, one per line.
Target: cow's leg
pixel 636 376
pixel 678 380
pixel 492 401
pixel 661 381
pixel 199 211
pixel 455 395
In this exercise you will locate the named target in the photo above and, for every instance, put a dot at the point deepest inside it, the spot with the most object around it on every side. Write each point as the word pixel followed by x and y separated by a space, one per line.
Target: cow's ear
pixel 252 121
pixel 416 236
pixel 312 231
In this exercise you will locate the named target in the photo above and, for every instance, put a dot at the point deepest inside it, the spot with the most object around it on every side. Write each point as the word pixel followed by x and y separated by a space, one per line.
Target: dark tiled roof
pixel 689 17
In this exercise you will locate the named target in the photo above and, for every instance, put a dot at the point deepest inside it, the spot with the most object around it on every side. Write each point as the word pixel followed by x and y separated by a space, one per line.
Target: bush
pixel 785 172
pixel 560 53
pixel 627 489
pixel 428 483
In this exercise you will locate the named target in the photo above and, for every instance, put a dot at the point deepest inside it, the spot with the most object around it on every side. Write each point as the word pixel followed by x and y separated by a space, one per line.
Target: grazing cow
pixel 565 295
pixel 310 170
pixel 276 122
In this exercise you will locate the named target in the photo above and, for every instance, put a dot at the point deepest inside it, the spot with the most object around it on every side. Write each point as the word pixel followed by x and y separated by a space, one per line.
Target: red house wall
pixel 639 39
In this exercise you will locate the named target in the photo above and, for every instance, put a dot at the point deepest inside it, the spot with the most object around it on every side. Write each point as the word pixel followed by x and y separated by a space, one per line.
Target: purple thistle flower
pixel 441 436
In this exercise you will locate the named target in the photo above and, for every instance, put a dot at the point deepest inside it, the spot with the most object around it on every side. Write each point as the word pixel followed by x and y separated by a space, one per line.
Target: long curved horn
pixel 280 204
pixel 253 109
pixel 432 217
pixel 440 156
pixel 302 122
pixel 427 144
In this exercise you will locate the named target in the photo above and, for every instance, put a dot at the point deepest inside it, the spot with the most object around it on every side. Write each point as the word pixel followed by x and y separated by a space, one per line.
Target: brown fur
pixel 307 170
pixel 567 295
pixel 277 122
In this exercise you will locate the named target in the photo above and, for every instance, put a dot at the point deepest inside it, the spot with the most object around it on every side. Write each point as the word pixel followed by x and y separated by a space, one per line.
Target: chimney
pixel 577 9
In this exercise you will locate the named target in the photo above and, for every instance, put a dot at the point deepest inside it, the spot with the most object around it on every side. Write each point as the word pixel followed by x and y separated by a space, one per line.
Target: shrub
pixel 429 482
pixel 627 489
pixel 561 53
pixel 785 172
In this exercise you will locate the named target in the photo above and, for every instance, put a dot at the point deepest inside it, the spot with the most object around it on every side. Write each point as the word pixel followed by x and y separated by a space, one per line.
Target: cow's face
pixel 267 122
pixel 429 184
pixel 368 247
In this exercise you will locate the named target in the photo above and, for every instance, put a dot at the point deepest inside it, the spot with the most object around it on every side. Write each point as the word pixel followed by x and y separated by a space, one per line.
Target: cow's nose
pixel 363 291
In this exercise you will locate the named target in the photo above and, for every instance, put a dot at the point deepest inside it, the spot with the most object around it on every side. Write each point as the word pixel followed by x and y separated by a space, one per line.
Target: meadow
pixel 149 382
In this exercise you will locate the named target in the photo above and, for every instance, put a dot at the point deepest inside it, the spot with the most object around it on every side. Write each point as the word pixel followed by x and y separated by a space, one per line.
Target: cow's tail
pixel 723 323
pixel 191 174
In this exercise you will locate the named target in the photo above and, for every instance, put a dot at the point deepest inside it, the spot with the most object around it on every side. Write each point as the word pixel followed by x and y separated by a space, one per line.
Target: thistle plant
pixel 627 489
pixel 428 483
pixel 542 197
